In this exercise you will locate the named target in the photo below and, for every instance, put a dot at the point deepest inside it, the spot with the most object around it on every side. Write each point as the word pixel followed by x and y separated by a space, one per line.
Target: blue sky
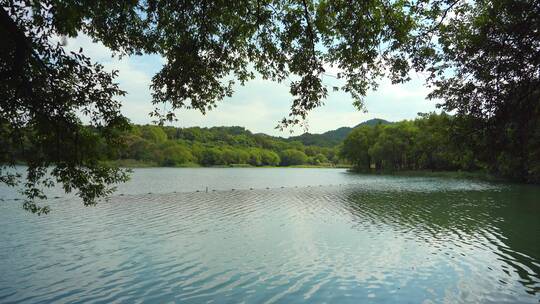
pixel 260 104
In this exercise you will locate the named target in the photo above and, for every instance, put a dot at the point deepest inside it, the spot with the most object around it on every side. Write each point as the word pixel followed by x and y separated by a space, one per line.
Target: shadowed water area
pixel 326 236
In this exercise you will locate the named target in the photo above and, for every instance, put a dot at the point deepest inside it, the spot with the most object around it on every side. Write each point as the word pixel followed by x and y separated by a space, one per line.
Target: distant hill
pixel 334 137
pixel 373 122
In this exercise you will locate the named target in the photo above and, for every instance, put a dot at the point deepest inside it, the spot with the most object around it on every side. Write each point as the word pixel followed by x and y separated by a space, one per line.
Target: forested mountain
pixel 225 146
pixel 334 137
pixel 216 146
pixel 373 122
pixel 151 145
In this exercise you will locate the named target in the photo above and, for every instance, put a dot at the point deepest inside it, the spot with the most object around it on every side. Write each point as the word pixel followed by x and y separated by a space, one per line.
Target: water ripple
pixel 416 240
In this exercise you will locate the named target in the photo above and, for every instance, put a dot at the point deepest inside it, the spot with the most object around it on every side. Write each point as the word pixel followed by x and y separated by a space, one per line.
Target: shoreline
pixel 137 165
pixel 473 175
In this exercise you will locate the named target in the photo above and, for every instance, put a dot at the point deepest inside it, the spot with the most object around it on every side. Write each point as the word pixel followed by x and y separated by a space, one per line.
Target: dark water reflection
pixel 381 240
pixel 489 233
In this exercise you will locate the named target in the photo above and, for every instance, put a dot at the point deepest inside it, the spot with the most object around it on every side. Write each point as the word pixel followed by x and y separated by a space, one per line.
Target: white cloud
pixel 400 101
pixel 95 50
pixel 260 104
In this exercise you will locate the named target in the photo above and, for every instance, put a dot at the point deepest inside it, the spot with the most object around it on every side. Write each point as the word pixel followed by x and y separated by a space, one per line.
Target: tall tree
pixel 486 65
pixel 43 91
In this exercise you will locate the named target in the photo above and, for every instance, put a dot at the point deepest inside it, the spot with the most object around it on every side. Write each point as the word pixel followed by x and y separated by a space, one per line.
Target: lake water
pixel 281 236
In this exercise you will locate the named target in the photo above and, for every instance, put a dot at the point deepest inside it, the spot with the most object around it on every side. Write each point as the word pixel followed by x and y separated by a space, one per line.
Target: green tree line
pixel 437 142
pixel 217 146
pixel 442 142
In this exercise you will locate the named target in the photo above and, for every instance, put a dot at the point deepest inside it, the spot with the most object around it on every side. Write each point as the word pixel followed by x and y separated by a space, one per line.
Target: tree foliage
pixel 486 68
pixel 217 146
pixel 430 142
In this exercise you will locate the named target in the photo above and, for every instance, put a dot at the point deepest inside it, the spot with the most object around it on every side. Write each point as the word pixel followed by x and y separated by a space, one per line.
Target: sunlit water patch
pixel 347 239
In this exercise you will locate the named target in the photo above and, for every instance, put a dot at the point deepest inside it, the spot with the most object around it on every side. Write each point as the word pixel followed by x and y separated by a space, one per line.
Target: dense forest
pixel 436 142
pixel 151 145
pixel 216 146
pixel 442 142
pixel 225 146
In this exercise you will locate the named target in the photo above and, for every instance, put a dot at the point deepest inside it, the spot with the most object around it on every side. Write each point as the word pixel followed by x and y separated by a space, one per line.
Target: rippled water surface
pixel 281 236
